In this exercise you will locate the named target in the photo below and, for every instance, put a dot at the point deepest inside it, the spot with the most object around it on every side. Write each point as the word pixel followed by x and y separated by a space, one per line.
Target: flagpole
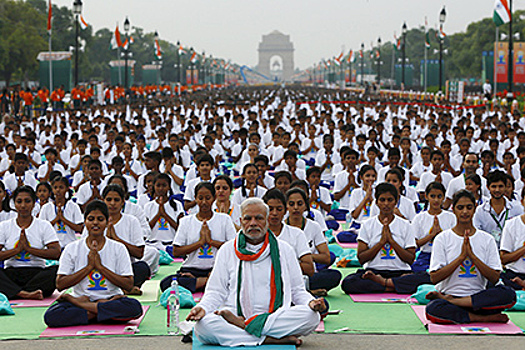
pixel 426 57
pixel 50 65
pixel 393 68
pixel 495 79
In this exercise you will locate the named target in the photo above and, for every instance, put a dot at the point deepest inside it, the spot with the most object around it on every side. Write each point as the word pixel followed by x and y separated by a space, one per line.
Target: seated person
pixel 25 244
pixel 253 285
pixel 464 260
pixel 386 246
pixel 98 269
pixel 198 237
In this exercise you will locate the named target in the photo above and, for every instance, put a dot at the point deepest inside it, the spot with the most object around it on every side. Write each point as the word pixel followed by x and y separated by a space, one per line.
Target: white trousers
pixel 297 320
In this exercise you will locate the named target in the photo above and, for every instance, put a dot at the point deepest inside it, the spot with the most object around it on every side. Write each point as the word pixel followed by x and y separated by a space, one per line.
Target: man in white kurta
pixel 217 313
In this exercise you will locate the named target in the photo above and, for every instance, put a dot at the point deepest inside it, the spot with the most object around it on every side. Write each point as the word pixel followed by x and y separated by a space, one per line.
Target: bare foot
pixel 497 318
pixel 231 318
pixel 291 339
pixel 133 291
pixel 36 295
pixel 437 295
pixel 369 275
pixel 319 292
pixel 519 282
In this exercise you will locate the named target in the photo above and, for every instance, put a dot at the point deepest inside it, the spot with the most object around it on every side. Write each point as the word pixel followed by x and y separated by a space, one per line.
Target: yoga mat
pixel 35 303
pixel 197 345
pixel 470 328
pixel 150 292
pixel 347 245
pixel 197 296
pixel 96 329
pixel 382 298
pixel 320 327
pixel 178 260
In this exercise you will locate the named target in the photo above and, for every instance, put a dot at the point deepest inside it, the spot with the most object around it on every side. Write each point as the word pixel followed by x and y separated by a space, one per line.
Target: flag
pixel 83 23
pixel 115 39
pixel 350 58
pixel 193 57
pixel 502 13
pixel 441 34
pixel 181 50
pixel 361 53
pixel 378 54
pixel 158 51
pixel 397 43
pixel 427 35
pixel 337 59
pixel 128 42
pixel 49 16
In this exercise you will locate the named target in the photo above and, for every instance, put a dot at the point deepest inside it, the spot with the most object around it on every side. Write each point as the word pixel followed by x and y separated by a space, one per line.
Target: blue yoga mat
pixel 197 345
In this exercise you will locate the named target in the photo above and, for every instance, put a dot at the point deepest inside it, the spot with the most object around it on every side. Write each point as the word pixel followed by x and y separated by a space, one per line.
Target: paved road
pixel 316 341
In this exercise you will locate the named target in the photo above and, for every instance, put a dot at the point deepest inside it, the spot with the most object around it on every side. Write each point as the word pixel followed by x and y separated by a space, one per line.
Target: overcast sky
pixel 232 29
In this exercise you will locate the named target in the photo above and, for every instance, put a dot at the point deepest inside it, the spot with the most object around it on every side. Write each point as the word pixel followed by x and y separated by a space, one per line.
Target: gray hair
pixel 255 201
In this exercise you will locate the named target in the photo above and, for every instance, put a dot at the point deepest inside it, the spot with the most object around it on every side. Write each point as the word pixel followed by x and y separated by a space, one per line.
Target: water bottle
pixel 173 308
pixel 349 217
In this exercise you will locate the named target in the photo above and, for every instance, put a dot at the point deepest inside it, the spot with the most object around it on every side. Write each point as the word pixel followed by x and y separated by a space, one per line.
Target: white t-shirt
pixel 113 255
pixel 405 205
pixel 429 177
pixel 387 259
pixel 458 183
pixel 296 239
pixel 423 222
pixel 356 198
pixel 189 232
pixel 466 280
pixel 238 196
pixel 85 191
pixel 162 233
pixel 39 234
pixel 11 181
pixel 314 235
pixel 234 212
pixel 324 195
pixel 71 212
pixel 189 193
pixel 512 239
pixel 341 180
pixel 43 170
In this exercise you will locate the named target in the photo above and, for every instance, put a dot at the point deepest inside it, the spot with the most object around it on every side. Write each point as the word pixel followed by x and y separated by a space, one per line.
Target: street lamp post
pixel 157 59
pixel 379 61
pixel 442 17
pixel 178 62
pixel 404 33
pixel 191 66
pixel 362 62
pixel 77 10
pixel 126 53
pixel 203 67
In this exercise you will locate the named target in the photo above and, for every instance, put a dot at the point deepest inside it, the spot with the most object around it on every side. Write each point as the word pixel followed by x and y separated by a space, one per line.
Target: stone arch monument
pixel 276 56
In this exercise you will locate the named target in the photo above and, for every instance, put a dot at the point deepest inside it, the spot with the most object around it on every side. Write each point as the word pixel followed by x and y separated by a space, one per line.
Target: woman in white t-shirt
pixel 198 237
pixel 25 244
pixel 324 278
pixel 125 228
pixel 223 190
pixel 98 269
pixel 362 198
pixel 6 212
pixel 405 208
pixel 464 260
pixel 386 246
pixel 512 251
pixel 64 214
pixel 249 187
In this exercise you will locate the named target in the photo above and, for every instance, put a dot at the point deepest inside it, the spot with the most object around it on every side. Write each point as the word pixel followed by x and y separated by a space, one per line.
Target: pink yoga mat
pixel 178 260
pixel 320 327
pixel 35 303
pixel 197 296
pixel 470 328
pixel 382 298
pixel 96 329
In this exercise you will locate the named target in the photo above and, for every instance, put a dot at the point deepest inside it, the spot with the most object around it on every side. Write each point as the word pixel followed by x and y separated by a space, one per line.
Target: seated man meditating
pixel 254 282
pixel 98 269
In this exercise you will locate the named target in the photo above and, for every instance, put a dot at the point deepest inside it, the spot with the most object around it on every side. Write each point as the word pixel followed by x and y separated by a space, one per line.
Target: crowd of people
pixel 248 185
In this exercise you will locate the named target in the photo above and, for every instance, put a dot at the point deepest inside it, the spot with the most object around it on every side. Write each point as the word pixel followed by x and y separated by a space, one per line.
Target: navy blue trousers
pixel 487 302
pixel 13 280
pixel 507 277
pixel 141 273
pixel 355 284
pixel 64 314
pixel 325 279
pixel 187 282
pixel 422 262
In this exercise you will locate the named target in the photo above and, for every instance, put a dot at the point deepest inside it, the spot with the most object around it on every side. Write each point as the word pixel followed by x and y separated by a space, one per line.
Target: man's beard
pixel 255 234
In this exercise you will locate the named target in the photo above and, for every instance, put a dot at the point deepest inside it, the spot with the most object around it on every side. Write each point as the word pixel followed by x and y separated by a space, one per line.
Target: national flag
pixel 397 43
pixel 350 57
pixel 116 42
pixel 361 53
pixel 193 57
pixel 427 35
pixel 181 50
pixel 502 13
pixel 83 23
pixel 378 54
pixel 158 51
pixel 49 16
pixel 440 34
pixel 337 59
pixel 128 42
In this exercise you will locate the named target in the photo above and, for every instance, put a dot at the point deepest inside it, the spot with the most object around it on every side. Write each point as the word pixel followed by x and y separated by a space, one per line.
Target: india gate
pixel 276 56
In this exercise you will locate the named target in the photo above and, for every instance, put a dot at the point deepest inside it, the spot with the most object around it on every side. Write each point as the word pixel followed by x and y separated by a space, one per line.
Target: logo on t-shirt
pixel 96 281
pixel 366 209
pixel 61 227
pixel 387 253
pixel 467 269
pixel 23 255
pixel 163 224
pixel 205 252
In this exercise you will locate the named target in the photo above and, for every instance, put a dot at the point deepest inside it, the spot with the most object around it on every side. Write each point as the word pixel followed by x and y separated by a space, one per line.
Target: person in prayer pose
pixel 254 283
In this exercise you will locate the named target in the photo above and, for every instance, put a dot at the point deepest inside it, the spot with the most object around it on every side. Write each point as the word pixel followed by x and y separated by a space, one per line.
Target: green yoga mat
pixel 197 345
pixel 27 323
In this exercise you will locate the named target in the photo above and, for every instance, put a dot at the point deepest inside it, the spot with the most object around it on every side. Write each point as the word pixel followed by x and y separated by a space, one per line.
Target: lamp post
pixel 203 67
pixel 191 66
pixel 442 17
pixel 379 62
pixel 404 33
pixel 77 10
pixel 126 51
pixel 511 56
pixel 362 62
pixel 157 59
